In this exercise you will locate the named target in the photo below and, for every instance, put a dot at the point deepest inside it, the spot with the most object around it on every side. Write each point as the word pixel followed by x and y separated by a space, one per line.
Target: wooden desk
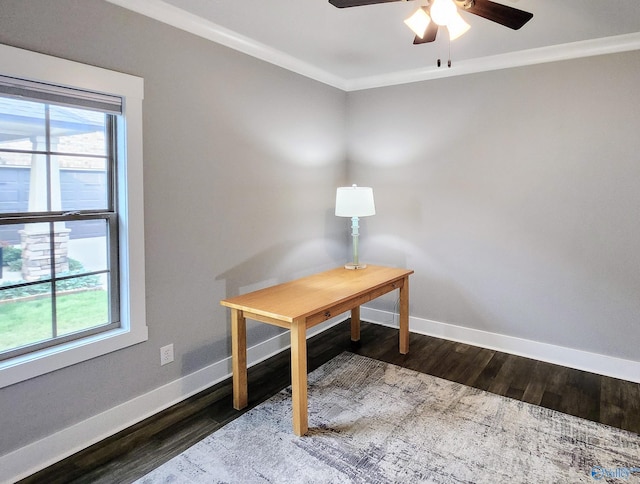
pixel 302 304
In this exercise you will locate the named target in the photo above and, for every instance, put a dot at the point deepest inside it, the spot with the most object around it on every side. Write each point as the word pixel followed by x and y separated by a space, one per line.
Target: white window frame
pixel 53 70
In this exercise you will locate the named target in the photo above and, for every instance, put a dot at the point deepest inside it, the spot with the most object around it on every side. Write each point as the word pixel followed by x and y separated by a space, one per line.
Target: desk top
pixel 313 294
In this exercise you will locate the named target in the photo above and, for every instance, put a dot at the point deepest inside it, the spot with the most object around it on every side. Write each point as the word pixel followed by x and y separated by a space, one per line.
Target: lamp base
pixel 354 266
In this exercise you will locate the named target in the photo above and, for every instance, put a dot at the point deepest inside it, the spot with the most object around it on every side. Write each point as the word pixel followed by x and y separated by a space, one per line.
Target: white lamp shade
pixel 355 201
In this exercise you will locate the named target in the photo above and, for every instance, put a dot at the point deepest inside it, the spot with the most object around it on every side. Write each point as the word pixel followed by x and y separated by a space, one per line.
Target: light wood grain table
pixel 303 303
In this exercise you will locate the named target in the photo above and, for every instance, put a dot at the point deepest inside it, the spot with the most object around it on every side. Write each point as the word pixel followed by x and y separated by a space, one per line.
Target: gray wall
pixel 241 161
pixel 514 195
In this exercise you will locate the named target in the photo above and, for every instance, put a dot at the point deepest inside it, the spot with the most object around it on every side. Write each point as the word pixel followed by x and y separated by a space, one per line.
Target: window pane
pixel 14 183
pixel 87 248
pixel 78 131
pixel 17 172
pixel 81 305
pixel 78 188
pixel 20 122
pixel 67 163
pixel 83 189
pixel 25 315
pixel 83 302
pixel 10 254
pixel 80 248
pixel 44 248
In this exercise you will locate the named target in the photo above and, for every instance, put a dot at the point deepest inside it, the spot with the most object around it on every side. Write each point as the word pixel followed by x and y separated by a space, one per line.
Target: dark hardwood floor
pixel 133 452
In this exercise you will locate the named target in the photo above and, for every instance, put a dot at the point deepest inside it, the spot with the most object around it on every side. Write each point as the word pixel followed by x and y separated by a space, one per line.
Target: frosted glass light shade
pixel 457 26
pixel 419 22
pixel 355 201
pixel 442 11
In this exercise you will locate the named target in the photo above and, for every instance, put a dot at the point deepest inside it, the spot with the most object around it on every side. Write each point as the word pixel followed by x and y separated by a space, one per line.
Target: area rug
pixel 372 422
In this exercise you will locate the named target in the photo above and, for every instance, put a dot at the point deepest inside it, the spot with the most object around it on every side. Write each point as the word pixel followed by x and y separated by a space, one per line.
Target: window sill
pixel 38 363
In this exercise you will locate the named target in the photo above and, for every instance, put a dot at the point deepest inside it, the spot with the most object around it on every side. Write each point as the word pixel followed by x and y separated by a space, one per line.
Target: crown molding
pixel 176 17
pixel 181 19
pixel 554 53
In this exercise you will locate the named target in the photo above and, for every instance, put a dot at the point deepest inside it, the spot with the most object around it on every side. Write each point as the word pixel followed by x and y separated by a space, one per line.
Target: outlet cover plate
pixel 166 354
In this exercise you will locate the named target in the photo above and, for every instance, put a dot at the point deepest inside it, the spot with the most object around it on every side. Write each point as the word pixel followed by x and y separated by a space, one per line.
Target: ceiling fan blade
pixel 502 14
pixel 357 3
pixel 429 36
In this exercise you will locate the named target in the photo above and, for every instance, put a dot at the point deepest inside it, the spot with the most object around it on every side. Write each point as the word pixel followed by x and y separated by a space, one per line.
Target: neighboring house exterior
pixel 76 184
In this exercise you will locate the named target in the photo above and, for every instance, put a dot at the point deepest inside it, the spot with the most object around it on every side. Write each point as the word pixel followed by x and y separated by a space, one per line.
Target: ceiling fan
pixel 426 20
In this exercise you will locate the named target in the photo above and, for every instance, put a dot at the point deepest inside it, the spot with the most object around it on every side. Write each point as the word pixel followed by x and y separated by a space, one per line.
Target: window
pixel 71 239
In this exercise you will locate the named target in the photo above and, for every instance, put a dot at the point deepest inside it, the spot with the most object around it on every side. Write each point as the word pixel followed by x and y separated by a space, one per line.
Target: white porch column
pixel 36 238
pixel 38 181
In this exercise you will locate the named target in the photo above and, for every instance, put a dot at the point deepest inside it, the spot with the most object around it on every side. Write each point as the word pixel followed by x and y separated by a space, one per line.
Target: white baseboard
pixel 581 360
pixel 36 456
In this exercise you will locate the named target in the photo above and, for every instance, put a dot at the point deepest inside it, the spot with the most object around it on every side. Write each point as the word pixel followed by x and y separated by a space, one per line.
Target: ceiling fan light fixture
pixel 457 26
pixel 419 22
pixel 443 11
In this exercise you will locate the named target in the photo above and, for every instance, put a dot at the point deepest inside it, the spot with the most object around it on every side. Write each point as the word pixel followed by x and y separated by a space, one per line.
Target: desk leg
pixel 355 326
pixel 404 317
pixel 299 377
pixel 239 358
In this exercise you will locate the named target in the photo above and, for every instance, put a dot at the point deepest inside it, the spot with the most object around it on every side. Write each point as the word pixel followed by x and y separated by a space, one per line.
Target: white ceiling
pixel 369 46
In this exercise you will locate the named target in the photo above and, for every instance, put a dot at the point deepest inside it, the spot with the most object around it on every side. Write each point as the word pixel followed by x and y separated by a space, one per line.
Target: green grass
pixel 28 321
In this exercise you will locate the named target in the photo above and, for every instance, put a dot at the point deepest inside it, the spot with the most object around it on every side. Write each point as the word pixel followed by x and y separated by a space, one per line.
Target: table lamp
pixel 355 202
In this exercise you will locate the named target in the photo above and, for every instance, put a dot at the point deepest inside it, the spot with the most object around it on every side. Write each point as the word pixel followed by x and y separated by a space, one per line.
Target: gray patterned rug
pixel 372 422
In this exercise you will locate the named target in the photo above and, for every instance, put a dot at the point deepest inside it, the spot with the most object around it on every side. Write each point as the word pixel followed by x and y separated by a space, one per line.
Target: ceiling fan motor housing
pixel 465 4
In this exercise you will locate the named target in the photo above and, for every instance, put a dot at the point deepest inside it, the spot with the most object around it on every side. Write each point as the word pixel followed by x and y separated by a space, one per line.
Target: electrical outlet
pixel 166 354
